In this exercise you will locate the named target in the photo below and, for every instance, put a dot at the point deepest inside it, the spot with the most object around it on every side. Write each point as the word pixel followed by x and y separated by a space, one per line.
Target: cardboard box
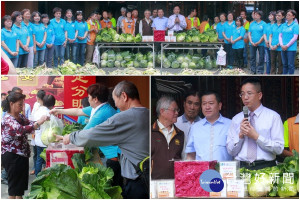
pixel 229 170
pixel 165 188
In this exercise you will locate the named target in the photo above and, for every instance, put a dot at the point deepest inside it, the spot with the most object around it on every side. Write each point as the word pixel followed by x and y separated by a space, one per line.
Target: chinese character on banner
pixel 274 178
pixel 288 178
pixel 76 90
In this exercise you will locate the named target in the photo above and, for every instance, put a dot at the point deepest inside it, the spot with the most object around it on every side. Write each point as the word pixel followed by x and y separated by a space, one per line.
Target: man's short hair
pixel 14 89
pixel 191 92
pixel 164 103
pixel 254 81
pixel 129 88
pixel 3 94
pixel 123 9
pixel 211 92
pixel 49 101
pixel 56 9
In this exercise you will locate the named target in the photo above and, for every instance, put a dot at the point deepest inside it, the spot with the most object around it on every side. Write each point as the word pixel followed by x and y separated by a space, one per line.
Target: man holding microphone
pixel 256 141
pixel 176 21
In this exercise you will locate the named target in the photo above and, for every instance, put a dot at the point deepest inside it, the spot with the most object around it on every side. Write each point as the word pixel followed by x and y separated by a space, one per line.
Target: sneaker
pixel 32 172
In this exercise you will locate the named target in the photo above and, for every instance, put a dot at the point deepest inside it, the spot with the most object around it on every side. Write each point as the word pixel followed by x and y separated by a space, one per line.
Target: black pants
pixel 17 168
pixel 276 59
pixel 116 167
pixel 135 189
pixel 229 54
pixel 22 61
pixel 238 57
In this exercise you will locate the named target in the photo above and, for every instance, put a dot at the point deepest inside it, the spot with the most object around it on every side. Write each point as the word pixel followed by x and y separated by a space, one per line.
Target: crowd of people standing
pixel 31 39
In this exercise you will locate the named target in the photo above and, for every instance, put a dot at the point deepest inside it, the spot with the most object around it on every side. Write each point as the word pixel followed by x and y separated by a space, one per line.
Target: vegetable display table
pixel 188 45
pixel 124 45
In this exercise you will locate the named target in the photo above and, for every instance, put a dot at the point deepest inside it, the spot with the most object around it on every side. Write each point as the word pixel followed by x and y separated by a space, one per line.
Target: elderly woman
pixel 15 150
pixel 98 111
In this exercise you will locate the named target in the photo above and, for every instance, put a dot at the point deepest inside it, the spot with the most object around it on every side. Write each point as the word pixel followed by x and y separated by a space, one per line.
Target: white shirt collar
pixel 95 109
pixel 165 131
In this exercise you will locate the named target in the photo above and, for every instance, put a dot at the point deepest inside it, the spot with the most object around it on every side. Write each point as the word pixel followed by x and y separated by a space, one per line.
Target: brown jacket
pixel 162 153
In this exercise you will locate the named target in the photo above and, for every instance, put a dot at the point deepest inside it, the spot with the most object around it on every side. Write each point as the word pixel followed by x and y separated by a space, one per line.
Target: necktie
pixel 252 146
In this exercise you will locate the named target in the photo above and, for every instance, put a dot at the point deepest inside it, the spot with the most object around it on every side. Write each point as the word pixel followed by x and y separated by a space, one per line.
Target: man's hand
pixel 247 130
pixel 66 139
pixel 177 21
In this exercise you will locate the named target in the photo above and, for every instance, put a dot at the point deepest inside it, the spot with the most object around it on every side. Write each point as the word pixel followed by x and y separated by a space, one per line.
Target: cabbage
pixel 122 37
pixel 192 65
pixel 138 38
pixel 171 57
pixel 136 64
pixel 110 63
pixel 127 58
pixel 119 57
pixel 166 63
pixel 48 135
pixel 104 56
pixel 144 63
pixel 150 64
pixel 175 64
pixel 129 38
pixel 111 57
pixel 180 59
pixel 213 38
pixel 196 38
pixel 106 37
pixel 116 37
pixel 98 38
pixel 123 63
pixel 139 56
pixel 188 38
pixel 260 187
pixel 184 65
pixel 103 63
pixel 117 63
pixel 180 37
pixel 129 64
pixel 150 56
pixel 88 170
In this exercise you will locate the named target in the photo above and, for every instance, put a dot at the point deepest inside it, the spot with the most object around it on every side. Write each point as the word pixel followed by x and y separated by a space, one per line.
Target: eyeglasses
pixel 174 110
pixel 249 94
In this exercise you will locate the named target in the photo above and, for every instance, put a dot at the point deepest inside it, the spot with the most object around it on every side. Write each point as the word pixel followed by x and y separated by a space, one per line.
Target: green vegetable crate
pixel 58 153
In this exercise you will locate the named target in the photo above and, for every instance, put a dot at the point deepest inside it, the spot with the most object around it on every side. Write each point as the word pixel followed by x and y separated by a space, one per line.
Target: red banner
pixel 2 8
pixel 32 84
pixel 76 89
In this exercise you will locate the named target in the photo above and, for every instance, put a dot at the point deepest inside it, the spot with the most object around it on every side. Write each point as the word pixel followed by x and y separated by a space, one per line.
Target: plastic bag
pixel 221 58
pixel 96 56
pixel 51 127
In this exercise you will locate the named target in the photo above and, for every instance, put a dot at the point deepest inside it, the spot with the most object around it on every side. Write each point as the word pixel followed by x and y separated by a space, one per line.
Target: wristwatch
pixel 38 125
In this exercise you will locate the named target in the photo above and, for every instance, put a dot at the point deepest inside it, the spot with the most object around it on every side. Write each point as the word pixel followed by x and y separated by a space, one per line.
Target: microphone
pixel 245 111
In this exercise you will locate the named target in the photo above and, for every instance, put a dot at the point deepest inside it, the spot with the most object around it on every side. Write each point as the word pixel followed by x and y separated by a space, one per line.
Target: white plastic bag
pixel 221 58
pixel 96 55
pixel 51 127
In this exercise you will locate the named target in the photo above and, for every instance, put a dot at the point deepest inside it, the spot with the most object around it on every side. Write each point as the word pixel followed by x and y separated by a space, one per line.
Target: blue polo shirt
pixel 160 24
pixel 30 31
pixel 23 34
pixel 101 115
pixel 257 31
pixel 10 39
pixel 220 28
pixel 71 29
pixel 238 32
pixel 81 27
pixel 50 34
pixel 288 32
pixel 59 30
pixel 274 31
pixel 209 139
pixel 39 31
pixel 267 31
pixel 228 30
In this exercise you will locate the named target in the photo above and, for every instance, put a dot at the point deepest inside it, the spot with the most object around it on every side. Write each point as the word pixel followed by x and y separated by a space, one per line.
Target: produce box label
pixel 235 188
pixel 165 188
pixel 228 170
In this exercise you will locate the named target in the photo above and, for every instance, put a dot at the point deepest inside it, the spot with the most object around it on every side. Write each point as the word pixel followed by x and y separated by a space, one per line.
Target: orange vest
pixel 128 26
pixel 92 35
pixel 293 134
pixel 189 23
pixel 202 26
pixel 106 24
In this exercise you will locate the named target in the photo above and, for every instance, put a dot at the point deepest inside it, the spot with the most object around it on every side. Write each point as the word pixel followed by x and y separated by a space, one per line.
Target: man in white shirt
pixel 191 107
pixel 255 141
pixel 166 139
pixel 176 21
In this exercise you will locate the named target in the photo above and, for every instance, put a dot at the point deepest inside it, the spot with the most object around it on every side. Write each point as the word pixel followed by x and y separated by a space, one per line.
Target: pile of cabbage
pixel 194 35
pixel 126 59
pixel 185 60
pixel 270 181
pixel 111 35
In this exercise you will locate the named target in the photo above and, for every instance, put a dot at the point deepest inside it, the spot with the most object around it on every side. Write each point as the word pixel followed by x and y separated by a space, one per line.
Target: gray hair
pixel 164 103
pixel 147 10
pixel 129 88
pixel 123 9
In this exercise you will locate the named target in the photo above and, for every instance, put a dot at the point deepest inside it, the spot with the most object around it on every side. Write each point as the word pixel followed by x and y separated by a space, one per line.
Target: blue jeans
pixel 260 67
pixel 80 53
pixel 229 54
pixel 49 52
pixel 39 161
pixel 59 53
pixel 14 61
pixel 71 48
pixel 22 60
pixel 268 60
pixel 39 58
pixel 288 61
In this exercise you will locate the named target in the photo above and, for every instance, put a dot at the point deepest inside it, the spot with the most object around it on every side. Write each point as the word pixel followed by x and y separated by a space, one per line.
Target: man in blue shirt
pixel 160 23
pixel 61 36
pixel 256 38
pixel 207 139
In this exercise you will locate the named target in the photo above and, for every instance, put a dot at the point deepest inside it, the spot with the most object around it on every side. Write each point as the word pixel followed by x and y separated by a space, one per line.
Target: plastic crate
pixel 58 153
